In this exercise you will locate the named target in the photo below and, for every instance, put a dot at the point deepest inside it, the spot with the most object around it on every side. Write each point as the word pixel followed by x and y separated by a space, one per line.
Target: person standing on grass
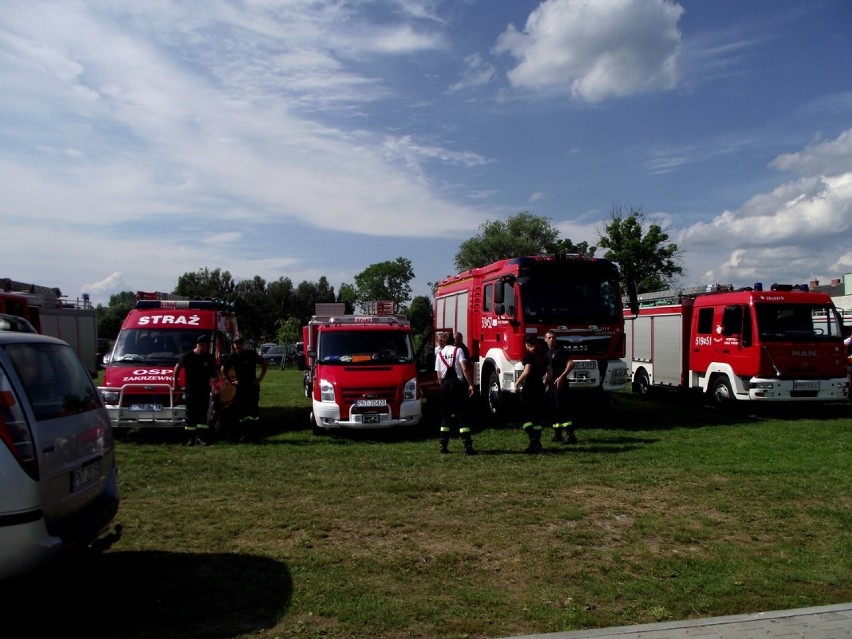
pixel 200 372
pixel 245 361
pixel 530 383
pixel 456 378
pixel 559 365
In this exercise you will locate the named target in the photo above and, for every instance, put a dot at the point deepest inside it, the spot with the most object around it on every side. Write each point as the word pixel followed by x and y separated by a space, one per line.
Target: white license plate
pixel 370 403
pixel 806 386
pixel 585 364
pixel 146 408
pixel 85 475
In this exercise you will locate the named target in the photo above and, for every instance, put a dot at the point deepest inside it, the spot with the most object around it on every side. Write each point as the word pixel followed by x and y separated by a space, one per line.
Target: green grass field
pixel 666 509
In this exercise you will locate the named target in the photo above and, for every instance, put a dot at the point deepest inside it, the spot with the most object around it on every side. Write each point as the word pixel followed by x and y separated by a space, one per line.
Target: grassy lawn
pixel 666 509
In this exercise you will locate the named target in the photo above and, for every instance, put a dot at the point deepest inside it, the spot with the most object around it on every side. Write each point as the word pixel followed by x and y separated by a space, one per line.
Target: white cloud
pixel 790 233
pixel 596 50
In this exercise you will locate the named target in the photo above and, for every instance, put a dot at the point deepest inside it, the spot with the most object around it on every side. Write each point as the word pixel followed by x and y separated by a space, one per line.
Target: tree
pixel 421 315
pixel 521 234
pixel 109 318
pixel 206 284
pixel 256 320
pixel 385 281
pixel 639 248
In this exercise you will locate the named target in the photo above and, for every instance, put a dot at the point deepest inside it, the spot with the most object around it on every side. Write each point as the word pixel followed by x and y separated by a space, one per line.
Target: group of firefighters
pixel 543 386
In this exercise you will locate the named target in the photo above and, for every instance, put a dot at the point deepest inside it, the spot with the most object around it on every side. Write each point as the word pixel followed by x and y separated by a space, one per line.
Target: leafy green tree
pixel 421 315
pixel 206 284
pixel 388 280
pixel 307 295
pixel 289 331
pixel 521 234
pixel 109 318
pixel 639 247
pixel 256 320
pixel 349 296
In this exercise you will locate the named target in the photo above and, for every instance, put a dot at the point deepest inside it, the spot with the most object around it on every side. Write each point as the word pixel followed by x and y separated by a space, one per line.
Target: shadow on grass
pixel 136 595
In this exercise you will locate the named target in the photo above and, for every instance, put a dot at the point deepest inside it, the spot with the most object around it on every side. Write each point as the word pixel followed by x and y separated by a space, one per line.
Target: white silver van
pixel 58 484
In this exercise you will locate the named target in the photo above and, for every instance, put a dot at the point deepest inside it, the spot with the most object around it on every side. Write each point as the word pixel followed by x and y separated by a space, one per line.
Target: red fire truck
pixel 361 371
pixel 784 344
pixel 138 385
pixel 51 313
pixel 496 306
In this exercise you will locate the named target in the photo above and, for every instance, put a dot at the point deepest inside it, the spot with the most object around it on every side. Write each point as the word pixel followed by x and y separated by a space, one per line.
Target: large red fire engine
pixel 138 385
pixel 361 371
pixel 496 306
pixel 784 344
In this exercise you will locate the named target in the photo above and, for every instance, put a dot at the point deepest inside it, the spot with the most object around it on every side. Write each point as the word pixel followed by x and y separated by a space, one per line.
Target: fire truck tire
pixel 495 406
pixel 721 393
pixel 641 382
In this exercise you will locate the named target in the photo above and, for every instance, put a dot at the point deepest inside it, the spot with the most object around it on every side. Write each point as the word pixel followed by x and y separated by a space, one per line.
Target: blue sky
pixel 301 138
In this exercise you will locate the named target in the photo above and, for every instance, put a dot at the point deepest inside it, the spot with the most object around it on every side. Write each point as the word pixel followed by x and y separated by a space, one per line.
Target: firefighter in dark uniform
pixel 454 373
pixel 201 371
pixel 559 365
pixel 530 383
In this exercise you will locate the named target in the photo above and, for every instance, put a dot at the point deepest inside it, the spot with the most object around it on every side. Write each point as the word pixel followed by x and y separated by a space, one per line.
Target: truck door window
pixel 487 292
pixel 732 320
pixel 705 321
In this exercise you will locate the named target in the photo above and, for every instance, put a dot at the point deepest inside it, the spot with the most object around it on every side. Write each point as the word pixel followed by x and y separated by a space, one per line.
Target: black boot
pixel 535 441
pixel 468 447
pixel 572 438
pixel 558 434
pixel 444 446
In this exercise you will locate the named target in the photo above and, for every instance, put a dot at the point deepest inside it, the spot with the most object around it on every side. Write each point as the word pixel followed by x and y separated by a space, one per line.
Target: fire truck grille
pixel 587 346
pixel 145 398
pixel 352 393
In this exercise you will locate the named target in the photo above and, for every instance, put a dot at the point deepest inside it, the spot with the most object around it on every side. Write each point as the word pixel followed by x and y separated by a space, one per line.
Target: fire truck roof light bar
pixel 359 319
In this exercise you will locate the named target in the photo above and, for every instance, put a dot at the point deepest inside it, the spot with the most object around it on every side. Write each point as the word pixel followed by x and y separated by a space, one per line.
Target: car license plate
pixel 146 408
pixel 85 475
pixel 370 403
pixel 806 386
pixel 585 364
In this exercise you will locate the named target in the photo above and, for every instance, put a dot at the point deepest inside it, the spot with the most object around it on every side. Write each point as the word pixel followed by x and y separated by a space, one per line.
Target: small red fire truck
pixel 138 382
pixel 361 371
pixel 784 344
pixel 496 306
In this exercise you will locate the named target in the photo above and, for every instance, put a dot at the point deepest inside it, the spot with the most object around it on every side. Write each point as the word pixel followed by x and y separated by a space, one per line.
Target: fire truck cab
pixel 138 387
pixel 361 371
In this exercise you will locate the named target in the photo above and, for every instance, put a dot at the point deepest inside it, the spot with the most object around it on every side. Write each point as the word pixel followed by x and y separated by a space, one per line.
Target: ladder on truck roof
pixel 674 295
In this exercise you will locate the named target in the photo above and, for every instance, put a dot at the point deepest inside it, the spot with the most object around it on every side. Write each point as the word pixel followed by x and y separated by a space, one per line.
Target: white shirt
pixel 454 356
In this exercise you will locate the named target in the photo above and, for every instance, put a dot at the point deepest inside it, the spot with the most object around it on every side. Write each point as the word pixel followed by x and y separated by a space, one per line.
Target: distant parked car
pixel 265 347
pixel 275 355
pixel 57 458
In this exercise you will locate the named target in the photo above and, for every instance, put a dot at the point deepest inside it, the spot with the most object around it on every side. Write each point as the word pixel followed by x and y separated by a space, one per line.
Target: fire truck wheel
pixel 721 394
pixel 494 397
pixel 641 382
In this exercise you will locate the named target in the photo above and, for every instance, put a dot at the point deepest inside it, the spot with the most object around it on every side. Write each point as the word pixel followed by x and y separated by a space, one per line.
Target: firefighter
pixel 530 383
pixel 454 373
pixel 201 371
pixel 559 365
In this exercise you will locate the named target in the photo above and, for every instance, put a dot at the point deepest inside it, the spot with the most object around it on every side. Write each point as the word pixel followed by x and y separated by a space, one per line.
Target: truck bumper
pixel 793 390
pixel 615 378
pixel 327 415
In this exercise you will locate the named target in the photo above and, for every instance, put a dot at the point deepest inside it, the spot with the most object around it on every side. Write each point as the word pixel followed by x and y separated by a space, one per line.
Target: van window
pixel 55 381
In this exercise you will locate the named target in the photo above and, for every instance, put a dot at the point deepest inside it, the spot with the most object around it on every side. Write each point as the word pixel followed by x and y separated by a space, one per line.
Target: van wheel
pixel 641 382
pixel 721 393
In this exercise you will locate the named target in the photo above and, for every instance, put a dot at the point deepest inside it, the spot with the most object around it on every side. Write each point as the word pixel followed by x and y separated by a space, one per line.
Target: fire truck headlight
pixel 409 392
pixel 326 391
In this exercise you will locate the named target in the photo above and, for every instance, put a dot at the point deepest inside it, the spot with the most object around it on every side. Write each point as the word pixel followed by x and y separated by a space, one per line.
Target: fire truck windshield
pixel 137 344
pixel 557 299
pixel 795 322
pixel 365 347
